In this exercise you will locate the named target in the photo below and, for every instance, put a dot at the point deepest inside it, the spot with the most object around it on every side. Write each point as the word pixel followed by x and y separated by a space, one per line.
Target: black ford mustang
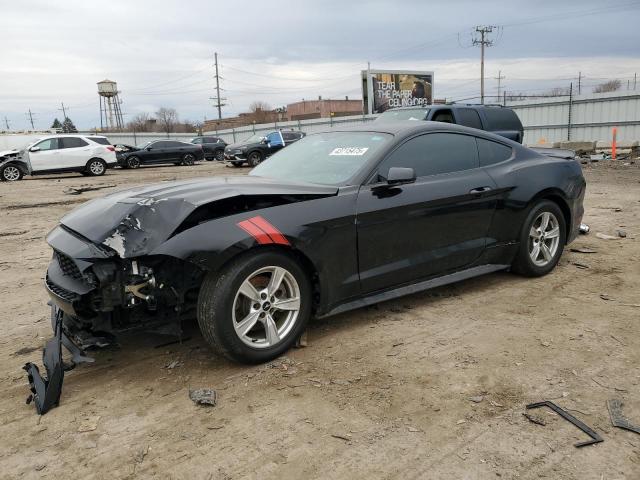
pixel 337 221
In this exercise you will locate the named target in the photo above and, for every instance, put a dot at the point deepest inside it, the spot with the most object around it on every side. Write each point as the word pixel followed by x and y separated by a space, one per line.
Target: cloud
pixel 161 52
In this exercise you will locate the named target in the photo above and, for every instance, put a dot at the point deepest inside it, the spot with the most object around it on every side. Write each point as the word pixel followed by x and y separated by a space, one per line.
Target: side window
pixel 432 154
pixel 469 118
pixel 160 144
pixel 288 136
pixel 502 119
pixel 492 152
pixel 72 142
pixel 211 140
pixel 100 140
pixel 443 116
pixel 275 138
pixel 48 144
pixel 197 141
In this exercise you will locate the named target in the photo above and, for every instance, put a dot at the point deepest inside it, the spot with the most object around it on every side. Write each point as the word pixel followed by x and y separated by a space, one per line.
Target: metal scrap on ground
pixel 203 396
pixel 617 417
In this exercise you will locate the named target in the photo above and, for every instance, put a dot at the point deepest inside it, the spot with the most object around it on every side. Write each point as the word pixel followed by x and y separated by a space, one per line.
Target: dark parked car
pixel 492 118
pixel 258 147
pixel 213 147
pixel 159 151
pixel 340 220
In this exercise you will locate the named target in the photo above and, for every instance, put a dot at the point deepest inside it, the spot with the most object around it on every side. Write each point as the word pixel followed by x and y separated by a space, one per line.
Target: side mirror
pixel 34 149
pixel 148 149
pixel 264 140
pixel 400 175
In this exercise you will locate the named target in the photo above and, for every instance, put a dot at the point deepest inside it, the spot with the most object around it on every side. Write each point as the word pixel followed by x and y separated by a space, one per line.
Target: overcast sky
pixel 161 52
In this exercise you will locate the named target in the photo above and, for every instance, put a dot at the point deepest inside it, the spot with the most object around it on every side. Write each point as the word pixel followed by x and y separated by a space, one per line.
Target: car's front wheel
pixel 188 159
pixel 254 159
pixel 542 240
pixel 96 167
pixel 219 155
pixel 10 173
pixel 133 162
pixel 256 308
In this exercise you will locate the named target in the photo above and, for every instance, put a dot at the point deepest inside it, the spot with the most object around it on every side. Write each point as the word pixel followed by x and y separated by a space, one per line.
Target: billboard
pixel 385 89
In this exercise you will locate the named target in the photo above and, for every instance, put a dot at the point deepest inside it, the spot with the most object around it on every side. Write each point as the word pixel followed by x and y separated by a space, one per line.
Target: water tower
pixel 110 112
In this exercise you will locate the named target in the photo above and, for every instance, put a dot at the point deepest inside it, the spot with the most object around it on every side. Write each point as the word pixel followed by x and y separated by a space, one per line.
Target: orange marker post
pixel 613 143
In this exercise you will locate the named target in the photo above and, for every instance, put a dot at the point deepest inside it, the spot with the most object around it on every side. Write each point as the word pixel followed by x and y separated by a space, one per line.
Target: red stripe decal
pixel 270 230
pixel 261 237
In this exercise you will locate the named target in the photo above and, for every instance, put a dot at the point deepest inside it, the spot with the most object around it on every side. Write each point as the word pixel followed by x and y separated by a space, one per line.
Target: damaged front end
pixel 96 294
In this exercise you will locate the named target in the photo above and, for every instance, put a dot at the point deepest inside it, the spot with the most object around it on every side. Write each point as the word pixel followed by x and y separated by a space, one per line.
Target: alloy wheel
pixel 266 307
pixel 96 167
pixel 544 239
pixel 188 159
pixel 133 162
pixel 11 173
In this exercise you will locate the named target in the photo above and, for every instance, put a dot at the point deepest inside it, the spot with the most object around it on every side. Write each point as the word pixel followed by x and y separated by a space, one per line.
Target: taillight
pixel 111 148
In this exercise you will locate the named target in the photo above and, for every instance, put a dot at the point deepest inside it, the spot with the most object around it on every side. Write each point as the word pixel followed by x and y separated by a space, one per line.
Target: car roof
pixel 447 105
pixel 407 128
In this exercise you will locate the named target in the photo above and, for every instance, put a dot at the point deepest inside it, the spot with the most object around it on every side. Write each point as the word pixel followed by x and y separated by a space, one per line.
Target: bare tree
pixel 140 123
pixel 167 119
pixel 557 92
pixel 260 111
pixel 610 86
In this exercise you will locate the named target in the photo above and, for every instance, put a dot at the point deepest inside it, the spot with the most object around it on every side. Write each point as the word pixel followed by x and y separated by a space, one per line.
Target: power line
pixel 500 77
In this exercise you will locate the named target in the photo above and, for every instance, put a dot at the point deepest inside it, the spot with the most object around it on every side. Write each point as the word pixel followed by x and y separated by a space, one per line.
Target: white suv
pixel 86 154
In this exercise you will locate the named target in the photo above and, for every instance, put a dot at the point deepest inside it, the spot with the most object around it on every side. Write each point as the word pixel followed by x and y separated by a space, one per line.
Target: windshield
pixel 404 114
pixel 330 158
pixel 143 145
pixel 254 139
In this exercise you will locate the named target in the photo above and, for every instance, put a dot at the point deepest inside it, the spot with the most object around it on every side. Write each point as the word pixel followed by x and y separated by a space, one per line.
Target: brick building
pixel 320 108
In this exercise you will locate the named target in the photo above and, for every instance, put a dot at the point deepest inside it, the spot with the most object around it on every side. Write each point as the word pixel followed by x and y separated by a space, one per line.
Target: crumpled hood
pixel 8 152
pixel 133 222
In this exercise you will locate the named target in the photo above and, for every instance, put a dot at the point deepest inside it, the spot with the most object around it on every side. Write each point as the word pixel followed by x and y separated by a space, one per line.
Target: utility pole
pixel 64 111
pixel 6 122
pixel 483 41
pixel 500 77
pixel 579 82
pixel 31 119
pixel 218 99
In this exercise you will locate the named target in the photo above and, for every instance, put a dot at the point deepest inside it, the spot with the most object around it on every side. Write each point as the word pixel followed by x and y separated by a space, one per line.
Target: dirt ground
pixel 428 386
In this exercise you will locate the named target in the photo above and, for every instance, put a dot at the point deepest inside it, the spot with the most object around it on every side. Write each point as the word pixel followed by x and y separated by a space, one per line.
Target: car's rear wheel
pixel 188 159
pixel 133 162
pixel 236 164
pixel 219 155
pixel 96 167
pixel 10 173
pixel 256 308
pixel 542 240
pixel 254 159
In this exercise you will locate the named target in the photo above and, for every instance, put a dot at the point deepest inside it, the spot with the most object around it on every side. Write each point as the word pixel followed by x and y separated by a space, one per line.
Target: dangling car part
pixel 335 221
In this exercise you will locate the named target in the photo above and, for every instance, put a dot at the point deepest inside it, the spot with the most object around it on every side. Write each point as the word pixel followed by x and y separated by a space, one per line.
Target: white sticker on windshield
pixel 358 151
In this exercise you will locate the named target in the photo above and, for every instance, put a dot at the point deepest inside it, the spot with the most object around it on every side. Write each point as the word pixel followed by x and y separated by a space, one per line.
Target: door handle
pixel 479 190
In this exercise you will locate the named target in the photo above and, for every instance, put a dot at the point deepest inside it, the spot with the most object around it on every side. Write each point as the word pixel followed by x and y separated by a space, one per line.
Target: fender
pixel 327 241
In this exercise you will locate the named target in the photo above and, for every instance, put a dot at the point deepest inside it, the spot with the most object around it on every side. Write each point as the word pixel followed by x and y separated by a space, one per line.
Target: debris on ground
pixel 89 424
pixel 584 228
pixel 617 417
pixel 476 399
pixel 583 266
pixel 204 396
pixel 621 233
pixel 79 190
pixel 604 236
pixel 346 437
pixel 173 364
pixel 595 437
pixel 534 419
pixel 583 250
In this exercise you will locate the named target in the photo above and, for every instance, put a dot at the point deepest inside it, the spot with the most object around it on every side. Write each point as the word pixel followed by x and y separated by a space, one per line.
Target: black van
pixel 492 118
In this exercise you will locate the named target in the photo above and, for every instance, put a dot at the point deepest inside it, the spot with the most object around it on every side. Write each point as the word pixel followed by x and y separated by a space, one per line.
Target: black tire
pixel 216 304
pixel 133 162
pixel 188 159
pixel 10 173
pixel 254 158
pixel 523 263
pixel 96 167
pixel 236 164
pixel 219 155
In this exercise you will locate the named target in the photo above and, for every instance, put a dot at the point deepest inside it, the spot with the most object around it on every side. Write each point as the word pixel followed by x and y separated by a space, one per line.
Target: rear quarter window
pixel 72 142
pixel 100 140
pixel 492 152
pixel 469 118
pixel 502 119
